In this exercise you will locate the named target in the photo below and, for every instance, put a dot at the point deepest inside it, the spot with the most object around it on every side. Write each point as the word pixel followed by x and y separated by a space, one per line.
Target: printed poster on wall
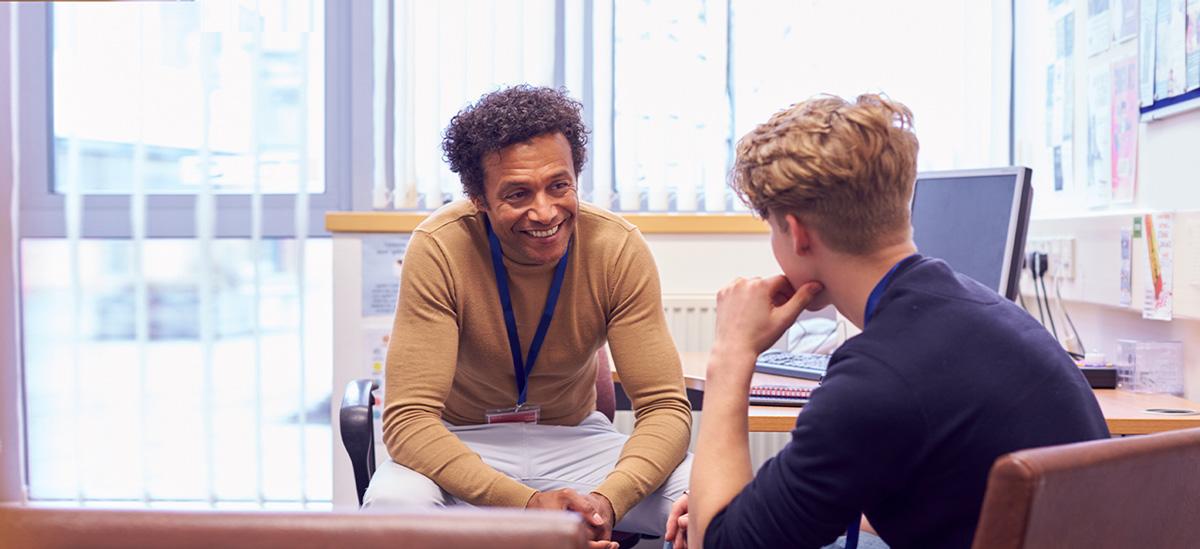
pixel 1193 44
pixel 1064 173
pixel 1059 123
pixel 1170 51
pixel 1158 267
pixel 1126 14
pixel 1061 84
pixel 382 259
pixel 1058 167
pixel 375 344
pixel 1148 16
pixel 1124 129
pixel 1126 298
pixel 1099 132
pixel 1099 27
pixel 1060 94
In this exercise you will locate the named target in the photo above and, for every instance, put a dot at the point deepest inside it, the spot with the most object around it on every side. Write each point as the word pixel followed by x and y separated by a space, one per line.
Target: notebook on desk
pixel 779 395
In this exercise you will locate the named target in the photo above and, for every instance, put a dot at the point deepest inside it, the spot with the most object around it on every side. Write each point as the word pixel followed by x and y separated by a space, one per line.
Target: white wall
pixel 702 264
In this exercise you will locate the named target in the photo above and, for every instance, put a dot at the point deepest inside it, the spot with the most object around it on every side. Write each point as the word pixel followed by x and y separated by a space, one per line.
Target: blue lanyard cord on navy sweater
pixel 872 304
pixel 522 368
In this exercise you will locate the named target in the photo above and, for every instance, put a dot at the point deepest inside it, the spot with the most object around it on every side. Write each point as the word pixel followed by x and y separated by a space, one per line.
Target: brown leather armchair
pixel 1141 491
pixel 46 528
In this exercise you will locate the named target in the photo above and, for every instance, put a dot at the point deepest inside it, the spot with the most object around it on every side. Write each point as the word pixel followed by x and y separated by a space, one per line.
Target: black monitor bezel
pixel 1018 224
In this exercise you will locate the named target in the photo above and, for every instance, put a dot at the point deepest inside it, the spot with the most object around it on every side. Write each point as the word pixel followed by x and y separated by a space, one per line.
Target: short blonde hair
pixel 846 169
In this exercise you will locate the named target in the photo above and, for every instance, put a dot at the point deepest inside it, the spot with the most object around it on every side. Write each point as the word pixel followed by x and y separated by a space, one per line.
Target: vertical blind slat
pixel 384 187
pixel 402 120
pixel 73 219
pixel 73 204
pixel 137 226
pixel 301 217
pixel 256 254
pixel 205 230
pixel 602 96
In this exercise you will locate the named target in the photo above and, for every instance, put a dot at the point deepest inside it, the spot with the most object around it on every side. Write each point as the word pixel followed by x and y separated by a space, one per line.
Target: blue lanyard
pixel 522 368
pixel 872 304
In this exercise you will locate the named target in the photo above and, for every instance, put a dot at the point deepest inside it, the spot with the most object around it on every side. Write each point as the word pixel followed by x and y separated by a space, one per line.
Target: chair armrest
pixel 357 422
pixel 47 528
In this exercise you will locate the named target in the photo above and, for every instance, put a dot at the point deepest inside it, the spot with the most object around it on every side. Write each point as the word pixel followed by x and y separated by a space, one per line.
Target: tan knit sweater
pixel 449 357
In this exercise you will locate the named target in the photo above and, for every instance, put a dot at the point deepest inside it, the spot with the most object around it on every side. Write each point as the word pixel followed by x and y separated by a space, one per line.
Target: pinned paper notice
pixel 382 261
pixel 375 345
pixel 1160 263
pixel 1126 267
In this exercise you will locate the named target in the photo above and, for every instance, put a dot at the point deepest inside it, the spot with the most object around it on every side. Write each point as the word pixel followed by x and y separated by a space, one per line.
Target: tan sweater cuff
pixel 512 494
pixel 622 492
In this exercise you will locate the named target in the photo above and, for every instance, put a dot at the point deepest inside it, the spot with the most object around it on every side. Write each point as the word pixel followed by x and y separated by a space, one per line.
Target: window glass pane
pixel 670 105
pixel 100 431
pixel 934 56
pixel 131 80
pixel 691 78
pixel 447 54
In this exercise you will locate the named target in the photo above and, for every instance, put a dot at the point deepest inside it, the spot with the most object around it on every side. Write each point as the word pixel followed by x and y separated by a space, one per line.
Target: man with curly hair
pixel 946 376
pixel 505 299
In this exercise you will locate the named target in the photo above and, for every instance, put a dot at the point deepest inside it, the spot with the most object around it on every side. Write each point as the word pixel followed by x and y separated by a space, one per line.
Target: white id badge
pixel 525 413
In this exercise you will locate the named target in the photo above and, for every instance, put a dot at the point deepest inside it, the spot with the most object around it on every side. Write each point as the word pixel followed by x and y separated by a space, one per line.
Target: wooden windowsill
pixel 404 222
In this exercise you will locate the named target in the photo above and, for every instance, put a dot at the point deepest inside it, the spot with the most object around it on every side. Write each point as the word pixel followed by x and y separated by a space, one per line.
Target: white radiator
pixel 692 320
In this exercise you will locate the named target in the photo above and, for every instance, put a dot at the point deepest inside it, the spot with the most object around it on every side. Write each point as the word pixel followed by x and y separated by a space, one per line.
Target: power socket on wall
pixel 1060 253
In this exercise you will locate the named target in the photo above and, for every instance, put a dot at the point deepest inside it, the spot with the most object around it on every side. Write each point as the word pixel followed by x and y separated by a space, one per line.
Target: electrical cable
pixel 1036 297
pixel 1067 315
pixel 1049 311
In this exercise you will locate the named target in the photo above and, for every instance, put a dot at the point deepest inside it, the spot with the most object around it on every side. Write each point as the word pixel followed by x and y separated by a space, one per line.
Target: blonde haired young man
pixel 946 376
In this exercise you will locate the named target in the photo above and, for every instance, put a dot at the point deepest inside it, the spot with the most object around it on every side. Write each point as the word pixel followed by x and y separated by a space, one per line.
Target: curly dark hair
pixel 506 117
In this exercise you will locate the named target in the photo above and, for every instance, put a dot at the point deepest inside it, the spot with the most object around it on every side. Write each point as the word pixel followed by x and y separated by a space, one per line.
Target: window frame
pixel 173 216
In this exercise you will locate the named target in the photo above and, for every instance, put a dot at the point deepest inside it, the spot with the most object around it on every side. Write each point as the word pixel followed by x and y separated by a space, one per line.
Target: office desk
pixel 1124 411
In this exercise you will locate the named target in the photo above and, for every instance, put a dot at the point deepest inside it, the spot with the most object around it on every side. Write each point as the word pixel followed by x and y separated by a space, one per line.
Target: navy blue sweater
pixel 946 377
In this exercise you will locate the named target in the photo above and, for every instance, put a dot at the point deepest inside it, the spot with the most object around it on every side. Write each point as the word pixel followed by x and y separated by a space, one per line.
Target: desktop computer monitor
pixel 975 220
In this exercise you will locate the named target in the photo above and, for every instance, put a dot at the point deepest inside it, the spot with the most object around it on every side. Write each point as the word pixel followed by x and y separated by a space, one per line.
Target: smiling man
pixel 505 299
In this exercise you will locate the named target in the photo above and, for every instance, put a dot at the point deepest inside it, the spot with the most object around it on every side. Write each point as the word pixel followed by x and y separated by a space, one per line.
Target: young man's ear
pixel 799 234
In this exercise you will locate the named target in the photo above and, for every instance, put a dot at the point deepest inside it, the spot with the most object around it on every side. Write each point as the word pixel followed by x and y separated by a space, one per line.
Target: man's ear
pixel 480 203
pixel 799 234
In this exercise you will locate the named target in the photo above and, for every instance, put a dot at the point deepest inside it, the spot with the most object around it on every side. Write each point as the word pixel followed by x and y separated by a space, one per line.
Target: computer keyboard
pixel 799 365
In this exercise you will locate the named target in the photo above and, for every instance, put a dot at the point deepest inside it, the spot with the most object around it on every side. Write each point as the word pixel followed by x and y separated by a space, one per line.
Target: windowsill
pixel 649 223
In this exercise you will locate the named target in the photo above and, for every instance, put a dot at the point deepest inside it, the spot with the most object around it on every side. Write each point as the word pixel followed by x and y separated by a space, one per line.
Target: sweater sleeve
pixel 859 434
pixel 651 374
pixel 421 360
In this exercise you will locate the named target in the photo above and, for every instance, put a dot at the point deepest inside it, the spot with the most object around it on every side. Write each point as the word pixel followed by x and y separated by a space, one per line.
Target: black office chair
pixel 357 422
